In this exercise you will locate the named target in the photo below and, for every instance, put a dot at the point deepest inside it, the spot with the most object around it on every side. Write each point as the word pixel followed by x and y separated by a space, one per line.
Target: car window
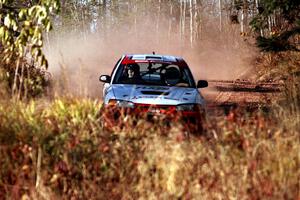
pixel 162 74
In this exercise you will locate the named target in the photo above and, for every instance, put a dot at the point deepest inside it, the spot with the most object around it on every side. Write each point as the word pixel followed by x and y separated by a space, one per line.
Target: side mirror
pixel 104 78
pixel 202 84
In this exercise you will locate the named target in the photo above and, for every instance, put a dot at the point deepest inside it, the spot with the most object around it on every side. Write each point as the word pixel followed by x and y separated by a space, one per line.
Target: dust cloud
pixel 76 59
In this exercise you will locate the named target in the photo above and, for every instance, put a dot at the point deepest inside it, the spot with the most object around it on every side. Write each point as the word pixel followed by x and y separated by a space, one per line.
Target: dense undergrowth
pixel 58 149
pixel 20 79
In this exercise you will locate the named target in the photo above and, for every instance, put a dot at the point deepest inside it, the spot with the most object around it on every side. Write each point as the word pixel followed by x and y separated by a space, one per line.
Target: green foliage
pixel 22 27
pixel 274 43
pixel 287 15
pixel 288 8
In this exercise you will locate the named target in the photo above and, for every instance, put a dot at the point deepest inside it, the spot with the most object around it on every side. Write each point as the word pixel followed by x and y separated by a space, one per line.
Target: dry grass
pixel 241 156
pixel 277 66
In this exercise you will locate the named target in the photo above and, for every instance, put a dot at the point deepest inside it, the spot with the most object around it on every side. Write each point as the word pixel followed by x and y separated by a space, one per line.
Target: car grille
pixel 155 109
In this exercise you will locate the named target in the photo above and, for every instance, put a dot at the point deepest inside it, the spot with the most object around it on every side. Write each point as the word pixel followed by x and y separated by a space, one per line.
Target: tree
pixel 282 20
pixel 22 24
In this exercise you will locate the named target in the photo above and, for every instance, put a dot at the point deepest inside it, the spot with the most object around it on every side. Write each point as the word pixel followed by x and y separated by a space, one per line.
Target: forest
pixel 54 143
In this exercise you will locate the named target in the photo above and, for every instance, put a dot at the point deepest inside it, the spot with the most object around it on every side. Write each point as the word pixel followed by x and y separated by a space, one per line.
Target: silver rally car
pixel 154 85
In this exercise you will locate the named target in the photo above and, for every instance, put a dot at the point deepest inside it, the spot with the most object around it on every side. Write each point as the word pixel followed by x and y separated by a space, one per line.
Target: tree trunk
pixel 191 24
pixel 170 24
pixel 181 23
pixel 16 77
pixel 158 21
pixel 220 13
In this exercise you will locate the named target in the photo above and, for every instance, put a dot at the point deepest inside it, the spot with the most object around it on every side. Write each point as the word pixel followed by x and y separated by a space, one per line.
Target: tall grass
pixel 285 68
pixel 239 157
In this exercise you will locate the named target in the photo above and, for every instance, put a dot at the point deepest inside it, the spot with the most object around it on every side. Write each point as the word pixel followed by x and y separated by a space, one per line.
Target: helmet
pixel 134 67
pixel 172 76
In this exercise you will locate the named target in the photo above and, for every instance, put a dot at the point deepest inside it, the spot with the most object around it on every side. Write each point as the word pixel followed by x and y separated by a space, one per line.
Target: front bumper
pixel 157 113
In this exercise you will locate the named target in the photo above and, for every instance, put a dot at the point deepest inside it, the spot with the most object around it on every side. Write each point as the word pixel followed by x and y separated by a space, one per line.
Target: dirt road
pixel 243 93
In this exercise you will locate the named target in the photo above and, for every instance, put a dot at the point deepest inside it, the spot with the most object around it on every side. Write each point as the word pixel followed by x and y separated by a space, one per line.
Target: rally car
pixel 155 85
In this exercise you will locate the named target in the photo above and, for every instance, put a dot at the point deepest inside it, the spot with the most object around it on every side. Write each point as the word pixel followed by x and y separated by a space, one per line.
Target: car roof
pixel 145 58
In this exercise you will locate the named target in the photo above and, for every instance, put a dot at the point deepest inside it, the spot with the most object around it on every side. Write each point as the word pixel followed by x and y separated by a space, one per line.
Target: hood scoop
pixel 155 93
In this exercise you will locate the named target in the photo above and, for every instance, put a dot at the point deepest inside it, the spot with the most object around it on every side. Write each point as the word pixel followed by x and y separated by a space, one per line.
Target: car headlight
pixel 121 103
pixel 187 107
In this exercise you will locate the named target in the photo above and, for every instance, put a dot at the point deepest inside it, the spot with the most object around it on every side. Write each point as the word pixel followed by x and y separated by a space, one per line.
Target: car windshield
pixel 162 74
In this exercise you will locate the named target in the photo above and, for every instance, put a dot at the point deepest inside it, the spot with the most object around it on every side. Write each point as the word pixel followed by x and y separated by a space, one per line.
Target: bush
pixel 23 80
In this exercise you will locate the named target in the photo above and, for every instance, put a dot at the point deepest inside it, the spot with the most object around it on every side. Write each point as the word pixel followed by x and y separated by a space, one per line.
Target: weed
pixel 245 158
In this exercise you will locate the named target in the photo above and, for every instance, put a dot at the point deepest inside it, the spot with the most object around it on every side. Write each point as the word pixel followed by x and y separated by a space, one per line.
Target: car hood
pixel 161 95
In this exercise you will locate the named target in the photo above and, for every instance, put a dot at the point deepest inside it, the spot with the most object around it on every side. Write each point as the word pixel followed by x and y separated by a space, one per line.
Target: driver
pixel 133 74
